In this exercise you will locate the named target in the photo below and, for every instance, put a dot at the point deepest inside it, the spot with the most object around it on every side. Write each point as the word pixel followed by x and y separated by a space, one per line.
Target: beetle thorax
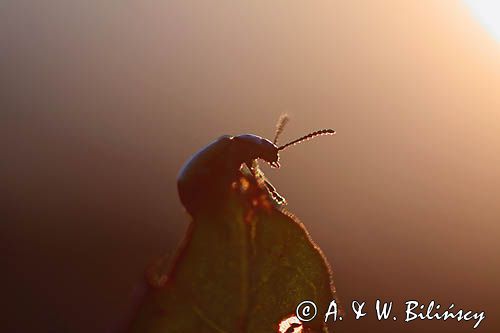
pixel 250 147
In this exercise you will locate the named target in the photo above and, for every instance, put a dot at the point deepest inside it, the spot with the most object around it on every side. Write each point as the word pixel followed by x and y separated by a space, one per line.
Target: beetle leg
pixel 254 169
pixel 274 194
pixel 253 166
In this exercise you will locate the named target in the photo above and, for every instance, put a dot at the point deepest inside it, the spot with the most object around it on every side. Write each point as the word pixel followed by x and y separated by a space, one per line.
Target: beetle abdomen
pixel 206 174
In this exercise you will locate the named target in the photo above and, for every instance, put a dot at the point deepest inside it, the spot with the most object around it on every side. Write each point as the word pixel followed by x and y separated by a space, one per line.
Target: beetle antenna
pixel 308 137
pixel 280 126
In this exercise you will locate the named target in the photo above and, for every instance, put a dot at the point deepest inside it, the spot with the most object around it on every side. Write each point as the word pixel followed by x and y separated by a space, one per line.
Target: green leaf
pixel 244 266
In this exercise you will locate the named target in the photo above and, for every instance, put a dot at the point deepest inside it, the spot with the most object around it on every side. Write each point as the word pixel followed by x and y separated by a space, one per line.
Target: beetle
pixel 209 172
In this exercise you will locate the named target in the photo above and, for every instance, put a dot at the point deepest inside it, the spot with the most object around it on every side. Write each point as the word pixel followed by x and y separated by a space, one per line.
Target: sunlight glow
pixel 488 13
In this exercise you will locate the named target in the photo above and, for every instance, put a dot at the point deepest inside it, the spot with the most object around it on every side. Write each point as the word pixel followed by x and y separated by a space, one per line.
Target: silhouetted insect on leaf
pixel 206 176
pixel 245 263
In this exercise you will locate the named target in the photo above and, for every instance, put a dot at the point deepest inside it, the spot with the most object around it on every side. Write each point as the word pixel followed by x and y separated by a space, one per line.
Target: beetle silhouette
pixel 209 173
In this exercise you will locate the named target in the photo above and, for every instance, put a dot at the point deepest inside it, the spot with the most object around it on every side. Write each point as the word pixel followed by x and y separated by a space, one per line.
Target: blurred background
pixel 102 102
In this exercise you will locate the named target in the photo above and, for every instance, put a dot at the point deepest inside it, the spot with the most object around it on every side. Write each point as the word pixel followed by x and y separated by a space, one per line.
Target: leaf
pixel 244 266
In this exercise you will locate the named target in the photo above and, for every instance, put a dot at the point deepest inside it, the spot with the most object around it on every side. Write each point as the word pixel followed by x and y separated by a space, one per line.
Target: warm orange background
pixel 101 105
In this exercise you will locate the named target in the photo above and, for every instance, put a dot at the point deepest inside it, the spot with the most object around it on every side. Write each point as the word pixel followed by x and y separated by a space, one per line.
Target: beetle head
pixel 270 153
